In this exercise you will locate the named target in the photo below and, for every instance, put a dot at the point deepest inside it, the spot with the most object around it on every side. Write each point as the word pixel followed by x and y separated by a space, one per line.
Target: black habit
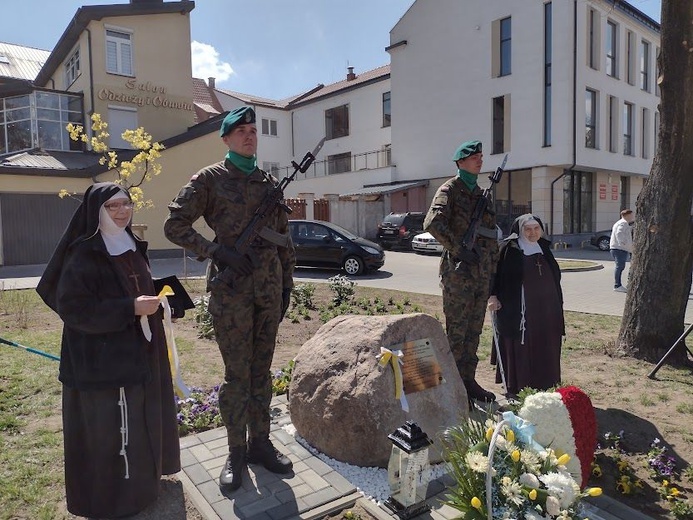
pixel 113 378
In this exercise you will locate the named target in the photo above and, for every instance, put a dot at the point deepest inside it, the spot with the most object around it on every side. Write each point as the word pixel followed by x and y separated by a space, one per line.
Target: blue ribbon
pixel 524 430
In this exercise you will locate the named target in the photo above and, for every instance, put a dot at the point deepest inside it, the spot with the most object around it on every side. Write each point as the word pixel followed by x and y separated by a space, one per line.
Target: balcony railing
pixel 358 162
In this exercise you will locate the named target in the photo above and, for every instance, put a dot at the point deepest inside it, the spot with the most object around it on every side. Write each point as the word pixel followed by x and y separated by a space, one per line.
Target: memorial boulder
pixel 343 402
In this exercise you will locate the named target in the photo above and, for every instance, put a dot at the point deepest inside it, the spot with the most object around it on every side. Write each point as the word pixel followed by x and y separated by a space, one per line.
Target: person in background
pixel 465 282
pixel 119 414
pixel 249 298
pixel 621 245
pixel 528 302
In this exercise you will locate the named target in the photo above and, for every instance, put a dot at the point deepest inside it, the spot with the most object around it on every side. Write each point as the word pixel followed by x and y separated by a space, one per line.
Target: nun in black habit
pixel 528 301
pixel 119 414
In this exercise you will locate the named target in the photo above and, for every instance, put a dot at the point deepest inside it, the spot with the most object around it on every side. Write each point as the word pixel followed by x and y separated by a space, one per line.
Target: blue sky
pixel 267 48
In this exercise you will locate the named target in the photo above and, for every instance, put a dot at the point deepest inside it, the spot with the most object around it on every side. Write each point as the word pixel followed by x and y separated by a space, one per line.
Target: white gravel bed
pixel 370 481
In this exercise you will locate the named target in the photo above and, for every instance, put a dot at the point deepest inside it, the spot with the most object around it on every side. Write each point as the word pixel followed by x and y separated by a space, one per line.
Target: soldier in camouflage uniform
pixel 465 283
pixel 249 304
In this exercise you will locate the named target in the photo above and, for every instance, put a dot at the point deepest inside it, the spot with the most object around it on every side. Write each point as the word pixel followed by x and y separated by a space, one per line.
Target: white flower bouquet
pixel 502 472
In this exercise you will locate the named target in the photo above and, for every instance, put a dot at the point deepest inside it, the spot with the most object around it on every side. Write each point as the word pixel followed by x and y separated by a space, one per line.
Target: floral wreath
pixel 528 465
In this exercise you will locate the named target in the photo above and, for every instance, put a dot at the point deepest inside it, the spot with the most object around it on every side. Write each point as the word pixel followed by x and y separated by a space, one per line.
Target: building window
pixel 592 39
pixel 498 125
pixel 645 66
pixel 119 120
pixel 271 167
pixel 119 52
pixel 72 68
pixel 645 134
pixel 339 163
pixel 269 127
pixel 38 120
pixel 656 131
pixel 505 46
pixel 630 58
pixel 611 49
pixel 548 52
pixel 590 119
pixel 627 129
pixel 612 124
pixel 387 110
pixel 577 202
pixel 337 122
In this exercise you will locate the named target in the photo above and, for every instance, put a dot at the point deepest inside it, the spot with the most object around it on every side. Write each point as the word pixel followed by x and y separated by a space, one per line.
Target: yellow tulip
pixel 594 492
pixel 533 494
pixel 476 503
pixel 515 455
pixel 563 459
pixel 510 436
pixel 489 434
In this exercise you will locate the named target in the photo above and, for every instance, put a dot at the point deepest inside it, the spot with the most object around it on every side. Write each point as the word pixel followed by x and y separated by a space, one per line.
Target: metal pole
pixel 651 375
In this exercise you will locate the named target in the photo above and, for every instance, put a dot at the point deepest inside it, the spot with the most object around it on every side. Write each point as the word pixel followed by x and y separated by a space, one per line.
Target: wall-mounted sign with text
pixel 143 94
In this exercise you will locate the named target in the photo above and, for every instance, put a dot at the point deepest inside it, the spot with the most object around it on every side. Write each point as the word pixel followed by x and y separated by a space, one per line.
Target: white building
pixel 566 89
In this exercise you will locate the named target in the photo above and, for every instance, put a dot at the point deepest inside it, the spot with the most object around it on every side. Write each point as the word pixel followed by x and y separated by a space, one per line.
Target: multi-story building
pixel 566 89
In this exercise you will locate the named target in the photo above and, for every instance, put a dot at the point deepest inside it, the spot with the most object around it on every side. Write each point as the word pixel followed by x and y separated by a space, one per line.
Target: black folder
pixel 180 301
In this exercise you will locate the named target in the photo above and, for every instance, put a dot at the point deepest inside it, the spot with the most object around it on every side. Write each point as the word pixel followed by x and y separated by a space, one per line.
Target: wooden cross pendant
pixel 136 277
pixel 538 264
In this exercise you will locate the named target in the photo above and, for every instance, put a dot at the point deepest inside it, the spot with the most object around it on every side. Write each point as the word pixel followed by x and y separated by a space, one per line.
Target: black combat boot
pixel 232 473
pixel 261 451
pixel 474 391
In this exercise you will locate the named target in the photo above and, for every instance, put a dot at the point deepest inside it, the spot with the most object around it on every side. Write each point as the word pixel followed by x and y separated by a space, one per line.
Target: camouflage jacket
pixel 227 199
pixel 449 217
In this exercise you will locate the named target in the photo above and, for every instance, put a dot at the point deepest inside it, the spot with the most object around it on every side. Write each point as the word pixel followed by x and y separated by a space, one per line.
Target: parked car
pixel 324 244
pixel 601 239
pixel 426 243
pixel 398 229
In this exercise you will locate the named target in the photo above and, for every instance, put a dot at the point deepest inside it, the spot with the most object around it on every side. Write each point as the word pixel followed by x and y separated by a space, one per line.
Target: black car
pixel 601 239
pixel 398 229
pixel 323 244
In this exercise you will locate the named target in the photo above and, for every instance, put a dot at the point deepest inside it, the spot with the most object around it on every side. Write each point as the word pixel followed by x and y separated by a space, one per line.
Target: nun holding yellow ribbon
pixel 119 414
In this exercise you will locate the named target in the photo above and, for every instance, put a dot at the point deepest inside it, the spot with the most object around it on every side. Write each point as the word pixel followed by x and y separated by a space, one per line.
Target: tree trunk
pixel 660 273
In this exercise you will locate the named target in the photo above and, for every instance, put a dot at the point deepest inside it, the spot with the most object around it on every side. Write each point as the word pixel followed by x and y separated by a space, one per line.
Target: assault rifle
pixel 470 252
pixel 257 225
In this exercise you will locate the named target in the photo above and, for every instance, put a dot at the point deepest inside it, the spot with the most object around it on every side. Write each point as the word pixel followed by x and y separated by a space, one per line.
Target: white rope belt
pixel 123 403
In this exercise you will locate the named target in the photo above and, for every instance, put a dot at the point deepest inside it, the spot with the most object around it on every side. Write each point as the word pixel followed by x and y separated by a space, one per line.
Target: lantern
pixel 407 471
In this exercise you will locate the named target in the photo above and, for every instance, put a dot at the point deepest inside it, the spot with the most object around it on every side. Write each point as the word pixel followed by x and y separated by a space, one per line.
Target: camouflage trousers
pixel 246 319
pixel 465 298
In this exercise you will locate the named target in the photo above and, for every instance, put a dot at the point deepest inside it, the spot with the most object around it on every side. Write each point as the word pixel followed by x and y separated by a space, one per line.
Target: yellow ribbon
pixel 179 387
pixel 394 358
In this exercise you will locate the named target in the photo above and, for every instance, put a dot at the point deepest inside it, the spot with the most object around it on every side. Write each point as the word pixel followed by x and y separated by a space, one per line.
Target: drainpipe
pixel 572 166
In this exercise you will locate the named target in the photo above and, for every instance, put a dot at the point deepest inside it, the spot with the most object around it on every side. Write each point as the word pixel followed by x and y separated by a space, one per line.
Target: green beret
pixel 466 149
pixel 238 116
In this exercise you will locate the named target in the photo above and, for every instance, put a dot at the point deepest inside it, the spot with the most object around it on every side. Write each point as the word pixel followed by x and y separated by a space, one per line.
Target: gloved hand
pixel 286 299
pixel 467 257
pixel 238 263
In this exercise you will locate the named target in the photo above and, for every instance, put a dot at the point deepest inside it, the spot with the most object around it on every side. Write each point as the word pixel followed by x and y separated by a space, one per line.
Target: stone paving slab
pixel 313 490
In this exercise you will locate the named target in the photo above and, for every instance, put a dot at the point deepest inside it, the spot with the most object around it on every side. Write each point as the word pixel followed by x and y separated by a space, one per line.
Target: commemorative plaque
pixel 420 369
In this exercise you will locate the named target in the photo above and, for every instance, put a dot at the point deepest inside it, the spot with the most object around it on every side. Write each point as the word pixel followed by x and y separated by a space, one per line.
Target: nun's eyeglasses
pixel 117 206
